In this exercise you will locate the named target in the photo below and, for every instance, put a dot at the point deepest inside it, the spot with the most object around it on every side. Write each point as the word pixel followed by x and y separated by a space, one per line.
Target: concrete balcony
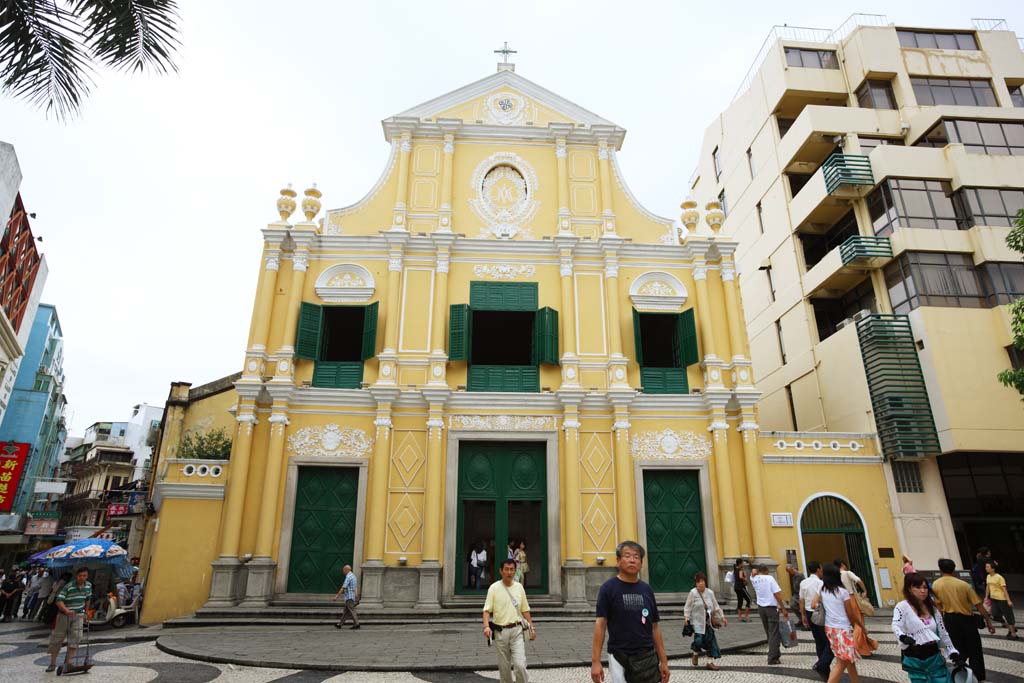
pixel 844 267
pixel 810 138
pixel 826 197
pixel 790 86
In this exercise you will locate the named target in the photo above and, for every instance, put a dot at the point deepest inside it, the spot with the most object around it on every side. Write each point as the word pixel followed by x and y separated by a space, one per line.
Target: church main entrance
pixel 502 499
pixel 324 530
pixel 675 529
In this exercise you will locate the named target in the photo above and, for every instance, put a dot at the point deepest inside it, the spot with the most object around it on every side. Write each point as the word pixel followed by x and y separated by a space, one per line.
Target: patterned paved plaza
pixel 22 658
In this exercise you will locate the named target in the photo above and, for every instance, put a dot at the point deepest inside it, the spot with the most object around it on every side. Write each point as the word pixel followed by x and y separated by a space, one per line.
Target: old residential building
pixel 870 175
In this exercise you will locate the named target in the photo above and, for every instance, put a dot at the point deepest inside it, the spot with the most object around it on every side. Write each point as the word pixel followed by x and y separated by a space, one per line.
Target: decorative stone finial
pixel 690 216
pixel 311 204
pixel 286 203
pixel 714 216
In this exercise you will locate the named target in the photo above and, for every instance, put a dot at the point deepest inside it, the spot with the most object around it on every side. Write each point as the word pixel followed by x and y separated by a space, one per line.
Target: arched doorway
pixel 830 528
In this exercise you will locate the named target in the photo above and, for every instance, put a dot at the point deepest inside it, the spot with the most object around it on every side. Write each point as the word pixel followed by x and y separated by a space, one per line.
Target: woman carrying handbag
pixel 842 621
pixel 702 615
pixel 922 634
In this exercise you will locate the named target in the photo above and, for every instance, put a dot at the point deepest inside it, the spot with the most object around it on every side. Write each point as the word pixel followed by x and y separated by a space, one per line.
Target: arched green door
pixel 831 527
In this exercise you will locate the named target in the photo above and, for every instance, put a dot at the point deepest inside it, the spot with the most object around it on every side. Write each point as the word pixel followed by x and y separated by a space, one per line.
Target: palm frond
pixel 42 58
pixel 131 34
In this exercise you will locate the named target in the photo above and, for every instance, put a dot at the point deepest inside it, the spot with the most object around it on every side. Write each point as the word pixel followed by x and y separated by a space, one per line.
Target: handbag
pixel 712 620
pixel 788 633
pixel 866 608
pixel 864 644
pixel 818 614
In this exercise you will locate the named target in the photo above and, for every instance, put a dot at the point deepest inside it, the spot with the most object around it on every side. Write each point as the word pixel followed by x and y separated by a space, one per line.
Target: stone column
pixel 567 315
pixel 433 505
pixel 732 311
pixel 625 482
pixel 755 484
pixel 260 327
pixel 616 362
pixel 605 172
pixel 372 593
pixel 719 429
pixel 402 192
pixel 564 217
pixel 259 587
pixel 388 372
pixel 445 214
pixel 575 573
pixel 286 345
pixel 438 330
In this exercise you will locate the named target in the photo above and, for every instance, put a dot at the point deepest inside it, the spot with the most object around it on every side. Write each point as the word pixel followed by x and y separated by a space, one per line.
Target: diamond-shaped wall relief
pixel 408 458
pixel 405 522
pixel 596 460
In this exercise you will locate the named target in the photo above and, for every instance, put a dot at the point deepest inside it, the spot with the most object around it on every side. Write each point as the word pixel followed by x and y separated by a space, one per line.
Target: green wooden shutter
pixel 545 336
pixel 687 331
pixel 307 335
pixel 460 330
pixel 637 339
pixel 369 331
pixel 338 374
pixel 503 296
pixel 664 380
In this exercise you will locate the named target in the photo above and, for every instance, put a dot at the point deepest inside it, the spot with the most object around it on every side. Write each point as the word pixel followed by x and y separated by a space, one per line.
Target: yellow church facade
pixel 496 345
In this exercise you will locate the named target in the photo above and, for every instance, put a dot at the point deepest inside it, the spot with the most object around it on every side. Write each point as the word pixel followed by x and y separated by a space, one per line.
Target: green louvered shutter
pixel 637 339
pixel 688 338
pixel 307 335
pixel 664 380
pixel 545 336
pixel 503 296
pixel 460 330
pixel 369 331
pixel 338 374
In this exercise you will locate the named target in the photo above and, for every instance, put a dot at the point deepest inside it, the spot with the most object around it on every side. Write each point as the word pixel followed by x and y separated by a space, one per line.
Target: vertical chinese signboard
pixel 12 462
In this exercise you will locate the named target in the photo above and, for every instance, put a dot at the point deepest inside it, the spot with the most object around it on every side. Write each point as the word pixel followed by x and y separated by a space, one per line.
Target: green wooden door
pixel 831 516
pixel 505 482
pixel 324 529
pixel 675 529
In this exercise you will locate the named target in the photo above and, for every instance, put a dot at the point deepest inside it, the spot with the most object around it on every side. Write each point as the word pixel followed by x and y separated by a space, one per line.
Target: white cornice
pixel 192 491
pixel 688 402
pixel 315 396
pixel 393 128
pixel 474 401
pixel 773 459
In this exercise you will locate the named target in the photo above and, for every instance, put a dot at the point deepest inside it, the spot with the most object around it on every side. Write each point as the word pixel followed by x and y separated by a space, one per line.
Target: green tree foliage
pixel 214 444
pixel 49 48
pixel 1015 378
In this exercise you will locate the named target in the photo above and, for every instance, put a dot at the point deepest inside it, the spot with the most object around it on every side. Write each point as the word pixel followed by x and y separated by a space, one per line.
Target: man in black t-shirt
pixel 628 612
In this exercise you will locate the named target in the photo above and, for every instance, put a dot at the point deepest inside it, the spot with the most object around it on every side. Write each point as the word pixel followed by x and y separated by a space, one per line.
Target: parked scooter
pixel 111 612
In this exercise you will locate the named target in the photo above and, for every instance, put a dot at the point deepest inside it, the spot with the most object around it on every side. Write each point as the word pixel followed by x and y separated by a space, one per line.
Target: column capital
pixel 565 241
pixel 700 273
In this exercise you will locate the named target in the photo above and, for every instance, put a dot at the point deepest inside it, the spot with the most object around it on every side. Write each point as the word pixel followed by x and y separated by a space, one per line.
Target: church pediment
pixel 503 99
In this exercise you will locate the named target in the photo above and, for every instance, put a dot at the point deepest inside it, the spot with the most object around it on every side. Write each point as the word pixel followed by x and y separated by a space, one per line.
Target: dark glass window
pixel 978 137
pixel 817 246
pixel 797 182
pixel 943 40
pixel 782 346
pixel 963 91
pixel 829 313
pixel 750 162
pixel 868 143
pixel 919 278
pixel 811 59
pixel 784 125
pixel 1016 94
pixel 771 283
pixel 911 203
pixel 716 157
pixel 1002 282
pixel 1016 357
pixel 721 200
pixel 760 218
pixel 988 206
pixel 906 475
pixel 876 95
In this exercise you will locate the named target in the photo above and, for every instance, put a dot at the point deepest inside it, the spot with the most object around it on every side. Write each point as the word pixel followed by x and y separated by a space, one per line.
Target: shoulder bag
pixel 523 623
pixel 818 613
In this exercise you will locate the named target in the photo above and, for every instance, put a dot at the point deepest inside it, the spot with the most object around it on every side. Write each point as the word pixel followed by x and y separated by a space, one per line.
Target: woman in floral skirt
pixel 840 613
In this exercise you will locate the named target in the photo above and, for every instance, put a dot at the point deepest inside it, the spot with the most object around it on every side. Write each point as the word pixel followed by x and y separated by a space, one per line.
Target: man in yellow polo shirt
pixel 504 611
pixel 957 600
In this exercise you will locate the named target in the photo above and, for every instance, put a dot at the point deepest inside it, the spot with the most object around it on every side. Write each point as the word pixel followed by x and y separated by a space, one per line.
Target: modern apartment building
pixel 870 175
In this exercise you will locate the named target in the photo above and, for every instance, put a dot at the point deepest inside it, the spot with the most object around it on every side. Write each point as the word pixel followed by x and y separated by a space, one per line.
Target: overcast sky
pixel 151 202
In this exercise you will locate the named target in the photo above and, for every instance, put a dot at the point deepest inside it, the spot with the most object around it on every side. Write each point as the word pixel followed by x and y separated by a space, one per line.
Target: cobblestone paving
pixel 22 658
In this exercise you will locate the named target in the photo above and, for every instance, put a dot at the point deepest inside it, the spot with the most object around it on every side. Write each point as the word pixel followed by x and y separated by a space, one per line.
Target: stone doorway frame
pixel 706 512
pixel 288 511
pixel 551 466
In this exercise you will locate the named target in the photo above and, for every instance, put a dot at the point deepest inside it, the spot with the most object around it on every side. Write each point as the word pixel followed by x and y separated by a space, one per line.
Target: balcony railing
pixel 847 169
pixel 83 497
pixel 899 397
pixel 860 247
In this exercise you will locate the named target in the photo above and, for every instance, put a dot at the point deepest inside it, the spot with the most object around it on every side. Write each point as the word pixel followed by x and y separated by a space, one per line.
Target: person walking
pixel 908 566
pixel 703 613
pixel 957 601
pixel 477 562
pixel 739 586
pixel 768 596
pixel 10 595
pixel 627 613
pixel 978 575
pixel 810 588
pixel 1002 606
pixel 72 605
pixel 45 586
pixel 851 582
pixel 505 610
pixel 796 577
pixel 921 632
pixel 35 581
pixel 841 615
pixel 350 589
pixel 522 566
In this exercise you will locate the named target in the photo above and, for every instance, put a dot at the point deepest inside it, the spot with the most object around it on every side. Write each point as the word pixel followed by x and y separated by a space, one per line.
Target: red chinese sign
pixel 12 461
pixel 116 509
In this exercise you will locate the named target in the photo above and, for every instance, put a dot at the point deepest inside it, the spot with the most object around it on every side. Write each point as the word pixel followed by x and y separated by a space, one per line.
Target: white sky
pixel 151 202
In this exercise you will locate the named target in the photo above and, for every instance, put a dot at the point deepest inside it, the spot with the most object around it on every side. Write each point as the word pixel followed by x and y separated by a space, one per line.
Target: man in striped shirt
pixel 72 603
